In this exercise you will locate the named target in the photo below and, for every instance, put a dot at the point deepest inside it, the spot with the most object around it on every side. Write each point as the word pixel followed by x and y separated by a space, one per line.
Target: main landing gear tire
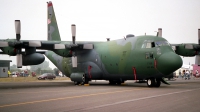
pixel 152 82
pixel 76 83
pixel 82 83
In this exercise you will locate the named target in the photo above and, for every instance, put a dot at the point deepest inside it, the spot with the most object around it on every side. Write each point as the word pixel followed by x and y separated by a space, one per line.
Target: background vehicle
pixel 33 74
pixel 46 76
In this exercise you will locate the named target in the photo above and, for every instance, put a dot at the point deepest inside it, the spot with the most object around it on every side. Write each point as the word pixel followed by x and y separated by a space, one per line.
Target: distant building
pixel 4 67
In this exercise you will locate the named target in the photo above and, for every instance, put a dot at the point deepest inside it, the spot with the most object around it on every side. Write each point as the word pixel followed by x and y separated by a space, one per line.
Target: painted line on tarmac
pixel 50 91
pixel 71 97
pixel 137 99
pixel 36 92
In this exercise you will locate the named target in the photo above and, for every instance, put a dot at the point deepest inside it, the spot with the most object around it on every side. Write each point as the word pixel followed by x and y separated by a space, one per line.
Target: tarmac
pixel 98 96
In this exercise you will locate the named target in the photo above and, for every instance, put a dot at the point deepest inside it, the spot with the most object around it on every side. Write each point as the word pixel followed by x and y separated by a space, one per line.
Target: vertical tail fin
pixel 52 27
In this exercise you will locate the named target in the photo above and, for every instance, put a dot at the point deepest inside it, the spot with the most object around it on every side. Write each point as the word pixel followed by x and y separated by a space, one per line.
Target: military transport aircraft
pixel 143 57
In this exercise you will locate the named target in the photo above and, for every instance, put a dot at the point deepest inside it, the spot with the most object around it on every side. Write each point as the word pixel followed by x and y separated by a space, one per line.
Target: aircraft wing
pixel 190 49
pixel 32 57
pixel 43 45
pixel 23 52
pixel 13 47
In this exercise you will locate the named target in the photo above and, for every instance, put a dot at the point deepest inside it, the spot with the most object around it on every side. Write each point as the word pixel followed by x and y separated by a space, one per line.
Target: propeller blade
pixel 159 32
pixel 197 60
pixel 73 27
pixel 199 36
pixel 18 29
pixel 4 44
pixel 74 61
pixel 59 46
pixel 34 43
pixel 19 60
pixel 189 46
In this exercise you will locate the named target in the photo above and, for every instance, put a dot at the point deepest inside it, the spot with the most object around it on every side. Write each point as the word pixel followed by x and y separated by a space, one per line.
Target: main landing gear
pixel 152 82
pixel 113 82
pixel 82 83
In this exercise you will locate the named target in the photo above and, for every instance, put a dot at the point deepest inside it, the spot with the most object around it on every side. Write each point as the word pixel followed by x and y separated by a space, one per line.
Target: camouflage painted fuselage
pixel 132 58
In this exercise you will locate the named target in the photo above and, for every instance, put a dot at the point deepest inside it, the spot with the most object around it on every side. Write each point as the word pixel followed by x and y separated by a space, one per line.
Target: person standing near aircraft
pixel 197 74
pixel 179 73
pixel 183 74
pixel 187 75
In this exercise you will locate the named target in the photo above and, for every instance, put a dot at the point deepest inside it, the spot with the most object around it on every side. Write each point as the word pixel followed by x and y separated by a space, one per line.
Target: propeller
pixel 18 45
pixel 18 29
pixel 73 28
pixel 198 36
pixel 74 58
pixel 197 58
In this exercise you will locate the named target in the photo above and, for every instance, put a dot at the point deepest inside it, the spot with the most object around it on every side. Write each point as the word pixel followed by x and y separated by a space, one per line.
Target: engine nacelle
pixel 32 59
pixel 183 51
pixel 78 77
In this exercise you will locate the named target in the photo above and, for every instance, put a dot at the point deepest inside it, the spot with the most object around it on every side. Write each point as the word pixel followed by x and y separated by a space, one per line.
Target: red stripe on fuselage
pixel 134 73
pixel 155 63
pixel 89 70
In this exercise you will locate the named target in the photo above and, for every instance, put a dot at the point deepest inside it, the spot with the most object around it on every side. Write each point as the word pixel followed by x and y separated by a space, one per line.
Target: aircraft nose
pixel 169 62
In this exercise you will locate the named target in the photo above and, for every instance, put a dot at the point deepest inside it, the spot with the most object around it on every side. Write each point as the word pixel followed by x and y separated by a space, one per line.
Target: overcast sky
pixel 97 20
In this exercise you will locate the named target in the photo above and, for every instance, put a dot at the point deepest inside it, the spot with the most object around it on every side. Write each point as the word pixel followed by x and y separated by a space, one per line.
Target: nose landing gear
pixel 152 82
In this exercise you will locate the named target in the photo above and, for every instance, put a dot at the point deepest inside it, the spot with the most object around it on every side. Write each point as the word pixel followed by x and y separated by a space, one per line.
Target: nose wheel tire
pixel 152 82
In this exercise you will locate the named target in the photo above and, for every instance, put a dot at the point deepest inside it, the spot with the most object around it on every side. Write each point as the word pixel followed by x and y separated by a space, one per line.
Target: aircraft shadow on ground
pixel 92 84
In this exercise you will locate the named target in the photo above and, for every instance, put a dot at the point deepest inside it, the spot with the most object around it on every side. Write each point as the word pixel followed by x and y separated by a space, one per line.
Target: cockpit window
pixel 150 44
pixel 162 43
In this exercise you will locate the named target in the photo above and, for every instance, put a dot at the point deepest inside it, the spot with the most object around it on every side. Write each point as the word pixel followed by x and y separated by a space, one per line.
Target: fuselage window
pixel 148 45
pixel 149 55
